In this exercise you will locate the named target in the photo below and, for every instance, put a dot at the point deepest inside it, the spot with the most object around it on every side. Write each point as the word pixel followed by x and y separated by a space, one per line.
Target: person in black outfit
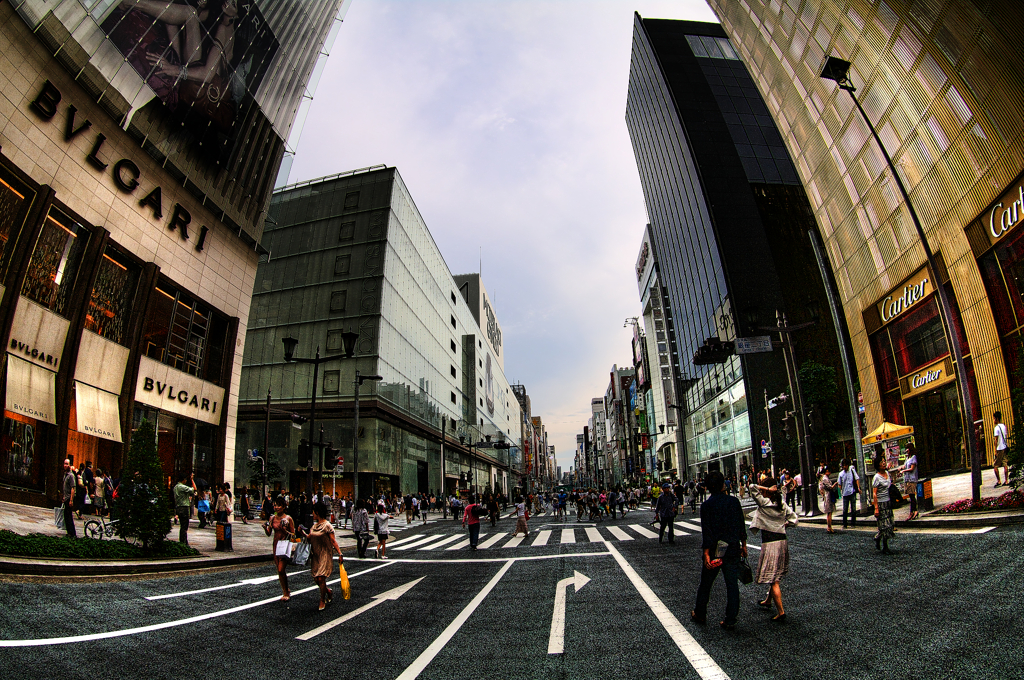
pixel 721 521
pixel 665 512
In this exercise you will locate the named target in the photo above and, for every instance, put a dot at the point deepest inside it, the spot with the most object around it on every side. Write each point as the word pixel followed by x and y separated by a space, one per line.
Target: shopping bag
pixel 301 554
pixel 346 587
pixel 746 573
pixel 58 517
pixel 284 549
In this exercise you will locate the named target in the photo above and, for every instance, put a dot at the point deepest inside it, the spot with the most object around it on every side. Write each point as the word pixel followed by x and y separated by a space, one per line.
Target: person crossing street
pixel 665 513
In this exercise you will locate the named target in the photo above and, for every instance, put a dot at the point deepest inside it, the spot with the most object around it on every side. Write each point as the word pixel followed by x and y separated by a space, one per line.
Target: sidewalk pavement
pixel 249 542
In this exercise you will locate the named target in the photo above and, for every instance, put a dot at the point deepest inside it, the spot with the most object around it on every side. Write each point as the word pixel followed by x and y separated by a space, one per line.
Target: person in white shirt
pixel 1000 435
pixel 849 485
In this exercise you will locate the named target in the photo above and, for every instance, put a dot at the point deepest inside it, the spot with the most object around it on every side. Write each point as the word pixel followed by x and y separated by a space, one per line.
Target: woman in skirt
pixel 771 518
pixel 883 509
pixel 323 545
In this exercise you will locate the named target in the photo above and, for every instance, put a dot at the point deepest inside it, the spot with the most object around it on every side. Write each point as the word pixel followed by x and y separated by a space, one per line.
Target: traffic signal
pixel 814 423
pixel 330 457
pixel 298 421
pixel 304 454
pixel 787 426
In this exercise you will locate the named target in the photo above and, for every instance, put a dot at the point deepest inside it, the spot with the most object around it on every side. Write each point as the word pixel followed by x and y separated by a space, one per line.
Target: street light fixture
pixel 839 70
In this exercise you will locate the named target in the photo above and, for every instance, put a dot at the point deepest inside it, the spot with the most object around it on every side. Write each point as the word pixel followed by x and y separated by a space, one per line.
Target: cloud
pixel 507 123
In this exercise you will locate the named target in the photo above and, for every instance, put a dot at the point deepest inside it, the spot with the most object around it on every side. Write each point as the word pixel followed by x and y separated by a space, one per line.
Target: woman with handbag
pixel 283 528
pixel 225 510
pixel 827 489
pixel 361 528
pixel 380 527
pixel 771 518
pixel 880 487
pixel 322 546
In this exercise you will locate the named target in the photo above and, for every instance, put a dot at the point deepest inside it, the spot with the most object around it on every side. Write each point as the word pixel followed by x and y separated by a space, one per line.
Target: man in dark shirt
pixel 721 521
pixel 665 513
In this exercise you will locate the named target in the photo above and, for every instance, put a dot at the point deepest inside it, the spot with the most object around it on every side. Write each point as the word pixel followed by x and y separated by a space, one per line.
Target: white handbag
pixel 284 549
pixel 58 517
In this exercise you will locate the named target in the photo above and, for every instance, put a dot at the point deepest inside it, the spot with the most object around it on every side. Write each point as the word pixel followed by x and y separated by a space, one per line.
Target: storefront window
pixel 21 451
pixel 918 338
pixel 885 363
pixel 185 334
pixel 992 276
pixel 55 262
pixel 112 294
pixel 15 199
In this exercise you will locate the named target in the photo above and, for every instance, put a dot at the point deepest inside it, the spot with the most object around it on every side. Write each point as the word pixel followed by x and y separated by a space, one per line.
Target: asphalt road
pixel 943 606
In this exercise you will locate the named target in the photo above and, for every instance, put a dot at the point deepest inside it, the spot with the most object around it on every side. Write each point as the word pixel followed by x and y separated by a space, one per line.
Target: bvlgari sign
pixel 177 392
pixel 906 295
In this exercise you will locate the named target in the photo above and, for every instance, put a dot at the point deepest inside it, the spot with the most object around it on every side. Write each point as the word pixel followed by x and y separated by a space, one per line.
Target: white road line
pixel 983 530
pixel 687 525
pixel 542 538
pixel 168 624
pixel 463 544
pixel 594 535
pixel 246 582
pixel 422 541
pixel 421 662
pixel 695 654
pixel 435 546
pixel 568 536
pixel 491 541
pixel 516 540
pixel 755 547
pixel 392 594
pixel 412 560
pixel 405 540
pixel 646 533
pixel 556 638
pixel 681 530
pixel 619 534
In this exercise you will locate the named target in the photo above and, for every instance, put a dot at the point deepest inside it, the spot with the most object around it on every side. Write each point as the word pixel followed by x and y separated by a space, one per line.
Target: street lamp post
pixel 355 433
pixel 839 70
pixel 349 341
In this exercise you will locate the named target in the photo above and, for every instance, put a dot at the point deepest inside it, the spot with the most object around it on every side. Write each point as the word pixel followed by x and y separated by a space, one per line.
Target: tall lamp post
pixel 349 341
pixel 839 70
pixel 360 379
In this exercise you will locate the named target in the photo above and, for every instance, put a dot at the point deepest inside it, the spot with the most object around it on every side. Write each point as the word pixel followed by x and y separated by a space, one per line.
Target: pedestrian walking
pixel 361 528
pixel 910 479
pixel 849 487
pixel 380 527
pixel 471 518
pixel 282 526
pixel 999 437
pixel 522 514
pixel 827 489
pixel 243 497
pixel 322 546
pixel 99 500
pixel 771 518
pixel 183 494
pixel 883 509
pixel 492 509
pixel 224 513
pixel 68 497
pixel 665 513
pixel 724 543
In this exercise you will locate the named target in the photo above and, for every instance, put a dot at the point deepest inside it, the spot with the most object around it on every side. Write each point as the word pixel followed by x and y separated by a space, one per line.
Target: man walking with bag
pixel 68 496
pixel 665 513
pixel 725 542
pixel 849 485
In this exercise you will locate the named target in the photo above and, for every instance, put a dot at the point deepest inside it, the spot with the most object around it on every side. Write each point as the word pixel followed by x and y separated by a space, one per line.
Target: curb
pixel 27 566
pixel 931 522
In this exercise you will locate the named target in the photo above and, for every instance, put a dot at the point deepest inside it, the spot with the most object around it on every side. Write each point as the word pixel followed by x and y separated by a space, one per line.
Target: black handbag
pixel 746 573
pixel 895 497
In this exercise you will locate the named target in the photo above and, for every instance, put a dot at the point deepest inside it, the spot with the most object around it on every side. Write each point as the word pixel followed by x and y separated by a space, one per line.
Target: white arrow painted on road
pixel 245 582
pixel 392 594
pixel 556 641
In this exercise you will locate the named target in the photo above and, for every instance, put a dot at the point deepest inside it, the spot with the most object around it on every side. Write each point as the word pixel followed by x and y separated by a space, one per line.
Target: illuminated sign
pixel 928 378
pixel 906 295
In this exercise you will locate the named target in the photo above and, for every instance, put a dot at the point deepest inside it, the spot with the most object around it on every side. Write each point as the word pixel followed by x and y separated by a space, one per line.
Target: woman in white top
pixel 883 510
pixel 380 526
pixel 771 518
pixel 910 479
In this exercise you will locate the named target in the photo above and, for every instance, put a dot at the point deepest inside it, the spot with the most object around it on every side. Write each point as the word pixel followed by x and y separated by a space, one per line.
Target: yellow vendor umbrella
pixel 887 431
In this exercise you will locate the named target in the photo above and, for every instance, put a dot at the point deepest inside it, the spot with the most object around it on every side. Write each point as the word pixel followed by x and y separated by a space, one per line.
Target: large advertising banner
pixel 204 59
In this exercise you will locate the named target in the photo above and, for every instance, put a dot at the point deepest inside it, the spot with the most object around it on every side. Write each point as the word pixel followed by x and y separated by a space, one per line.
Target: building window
pixel 481 382
pixel 454 374
pixel 56 260
pixel 453 397
pixel 338 300
pixel 185 334
pixel 112 295
pixel 331 381
pixel 347 231
pixel 351 200
pixel 454 348
pixel 342 263
pixel 15 199
pixel 334 341
pixel 454 325
pixel 453 298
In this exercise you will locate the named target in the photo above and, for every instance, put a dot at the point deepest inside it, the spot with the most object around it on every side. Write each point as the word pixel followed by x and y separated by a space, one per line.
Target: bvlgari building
pixel 942 84
pixel 139 144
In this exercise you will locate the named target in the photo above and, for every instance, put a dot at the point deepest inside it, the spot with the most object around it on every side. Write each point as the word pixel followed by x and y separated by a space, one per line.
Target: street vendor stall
pixel 893 440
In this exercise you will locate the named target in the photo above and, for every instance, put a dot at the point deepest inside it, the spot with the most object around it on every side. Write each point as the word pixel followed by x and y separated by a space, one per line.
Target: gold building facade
pixel 941 81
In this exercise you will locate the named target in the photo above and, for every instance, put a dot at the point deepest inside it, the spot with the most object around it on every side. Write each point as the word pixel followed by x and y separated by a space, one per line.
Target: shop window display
pixel 21 451
pixel 15 199
pixel 55 263
pixel 112 294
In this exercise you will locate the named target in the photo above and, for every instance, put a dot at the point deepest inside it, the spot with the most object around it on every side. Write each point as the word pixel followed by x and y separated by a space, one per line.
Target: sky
pixel 507 122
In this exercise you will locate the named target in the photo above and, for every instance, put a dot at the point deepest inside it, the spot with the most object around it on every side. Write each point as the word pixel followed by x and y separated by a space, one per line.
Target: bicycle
pixel 100 528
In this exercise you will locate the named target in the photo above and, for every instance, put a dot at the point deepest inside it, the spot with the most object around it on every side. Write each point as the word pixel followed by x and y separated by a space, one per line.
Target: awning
pixel 887 431
pixel 97 412
pixel 31 390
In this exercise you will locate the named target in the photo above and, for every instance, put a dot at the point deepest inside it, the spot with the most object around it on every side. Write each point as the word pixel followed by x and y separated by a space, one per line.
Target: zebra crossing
pixel 553 535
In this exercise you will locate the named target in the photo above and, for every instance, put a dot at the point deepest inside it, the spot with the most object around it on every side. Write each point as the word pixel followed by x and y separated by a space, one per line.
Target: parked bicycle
pixel 98 528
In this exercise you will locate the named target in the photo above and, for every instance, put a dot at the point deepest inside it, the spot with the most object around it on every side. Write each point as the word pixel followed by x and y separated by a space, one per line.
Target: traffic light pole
pixel 355 444
pixel 810 499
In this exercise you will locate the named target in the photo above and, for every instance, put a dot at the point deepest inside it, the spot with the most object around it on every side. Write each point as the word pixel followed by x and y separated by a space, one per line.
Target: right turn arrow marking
pixel 556 641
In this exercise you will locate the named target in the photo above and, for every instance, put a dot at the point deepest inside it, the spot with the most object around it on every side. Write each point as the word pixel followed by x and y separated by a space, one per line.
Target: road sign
pixel 754 344
pixel 766 447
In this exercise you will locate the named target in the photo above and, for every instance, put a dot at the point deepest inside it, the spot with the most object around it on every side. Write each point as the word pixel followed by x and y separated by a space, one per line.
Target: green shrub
pixel 62 547
pixel 142 507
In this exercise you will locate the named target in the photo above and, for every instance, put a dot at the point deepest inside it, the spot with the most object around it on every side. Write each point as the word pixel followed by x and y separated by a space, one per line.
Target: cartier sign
pixel 928 378
pixel 1005 214
pixel 906 295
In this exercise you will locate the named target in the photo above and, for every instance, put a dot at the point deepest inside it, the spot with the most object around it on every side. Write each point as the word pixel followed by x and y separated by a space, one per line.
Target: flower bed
pixel 1011 500
pixel 57 547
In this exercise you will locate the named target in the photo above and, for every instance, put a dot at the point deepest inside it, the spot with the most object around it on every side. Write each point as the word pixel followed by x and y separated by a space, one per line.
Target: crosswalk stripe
pixel 542 538
pixel 568 536
pixel 462 544
pixel 516 540
pixel 687 525
pixel 646 533
pixel 435 546
pixel 404 540
pixel 594 535
pixel 492 540
pixel 680 530
pixel 420 542
pixel 619 534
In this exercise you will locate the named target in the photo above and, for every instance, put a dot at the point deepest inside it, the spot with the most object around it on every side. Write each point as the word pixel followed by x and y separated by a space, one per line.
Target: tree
pixel 274 470
pixel 820 390
pixel 142 509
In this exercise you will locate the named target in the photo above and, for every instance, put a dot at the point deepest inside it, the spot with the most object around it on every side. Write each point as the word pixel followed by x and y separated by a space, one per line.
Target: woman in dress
pixel 283 528
pixel 380 526
pixel 910 477
pixel 828 503
pixel 771 518
pixel 322 546
pixel 225 511
pixel 883 510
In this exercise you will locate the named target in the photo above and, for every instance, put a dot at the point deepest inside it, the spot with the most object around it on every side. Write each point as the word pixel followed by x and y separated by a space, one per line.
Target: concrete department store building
pixel 132 200
pixel 943 83
pixel 728 241
pixel 352 253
